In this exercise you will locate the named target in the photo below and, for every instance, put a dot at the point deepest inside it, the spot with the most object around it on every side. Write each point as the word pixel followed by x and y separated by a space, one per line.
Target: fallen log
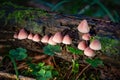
pixel 50 24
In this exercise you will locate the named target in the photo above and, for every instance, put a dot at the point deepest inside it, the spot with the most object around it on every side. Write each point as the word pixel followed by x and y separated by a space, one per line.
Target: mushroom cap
pixel 45 39
pixel 51 42
pixel 30 36
pixel 36 38
pixel 67 39
pixel 82 45
pixel 58 37
pixel 22 34
pixel 89 52
pixel 86 36
pixel 83 27
pixel 95 45
pixel 15 35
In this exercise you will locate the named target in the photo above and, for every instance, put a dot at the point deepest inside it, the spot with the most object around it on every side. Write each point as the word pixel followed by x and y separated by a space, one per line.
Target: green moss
pixel 12 13
pixel 110 46
pixel 34 26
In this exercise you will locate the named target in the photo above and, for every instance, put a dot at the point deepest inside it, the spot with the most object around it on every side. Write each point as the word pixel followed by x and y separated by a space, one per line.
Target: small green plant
pixel 51 49
pixel 94 62
pixel 74 50
pixel 17 54
pixel 75 66
pixel 42 71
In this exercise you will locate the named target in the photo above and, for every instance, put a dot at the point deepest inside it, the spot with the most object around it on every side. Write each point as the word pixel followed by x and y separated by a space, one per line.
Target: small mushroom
pixel 36 38
pixel 51 42
pixel 22 34
pixel 45 39
pixel 58 37
pixel 95 45
pixel 86 36
pixel 82 45
pixel 67 39
pixel 83 27
pixel 15 35
pixel 30 36
pixel 89 52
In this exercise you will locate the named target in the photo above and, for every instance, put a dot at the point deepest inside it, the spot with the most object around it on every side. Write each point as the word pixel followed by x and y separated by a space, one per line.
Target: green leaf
pixel 48 74
pixel 18 54
pixel 42 72
pixel 74 50
pixel 51 49
pixel 41 64
pixel 94 62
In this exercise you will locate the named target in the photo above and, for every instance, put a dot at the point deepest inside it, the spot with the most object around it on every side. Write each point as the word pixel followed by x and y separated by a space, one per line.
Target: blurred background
pixel 105 9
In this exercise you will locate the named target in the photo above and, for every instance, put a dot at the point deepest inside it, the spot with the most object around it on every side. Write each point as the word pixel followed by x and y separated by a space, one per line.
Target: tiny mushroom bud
pixel 51 42
pixel 57 37
pixel 86 36
pixel 95 45
pixel 22 34
pixel 67 39
pixel 83 27
pixel 82 45
pixel 15 35
pixel 30 36
pixel 89 52
pixel 45 39
pixel 36 38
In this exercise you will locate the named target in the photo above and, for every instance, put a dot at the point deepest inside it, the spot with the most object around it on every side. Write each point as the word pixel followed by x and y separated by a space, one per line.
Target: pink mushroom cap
pixel 89 52
pixel 57 37
pixel 67 39
pixel 36 38
pixel 22 34
pixel 45 39
pixel 30 36
pixel 83 27
pixel 51 42
pixel 86 36
pixel 95 45
pixel 82 45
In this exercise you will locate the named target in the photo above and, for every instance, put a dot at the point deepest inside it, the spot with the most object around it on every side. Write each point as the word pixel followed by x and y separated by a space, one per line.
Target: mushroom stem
pixel 66 48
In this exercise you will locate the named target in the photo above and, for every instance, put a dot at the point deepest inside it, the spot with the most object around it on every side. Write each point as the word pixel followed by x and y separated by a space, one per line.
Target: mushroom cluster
pixel 57 38
pixel 89 49
pixel 52 40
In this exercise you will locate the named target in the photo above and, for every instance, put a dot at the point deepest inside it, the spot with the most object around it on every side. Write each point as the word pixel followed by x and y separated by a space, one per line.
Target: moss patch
pixel 14 14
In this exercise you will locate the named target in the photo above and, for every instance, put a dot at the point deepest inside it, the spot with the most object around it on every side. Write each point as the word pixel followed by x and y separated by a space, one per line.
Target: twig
pixel 67 75
pixel 12 76
pixel 55 64
pixel 82 71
